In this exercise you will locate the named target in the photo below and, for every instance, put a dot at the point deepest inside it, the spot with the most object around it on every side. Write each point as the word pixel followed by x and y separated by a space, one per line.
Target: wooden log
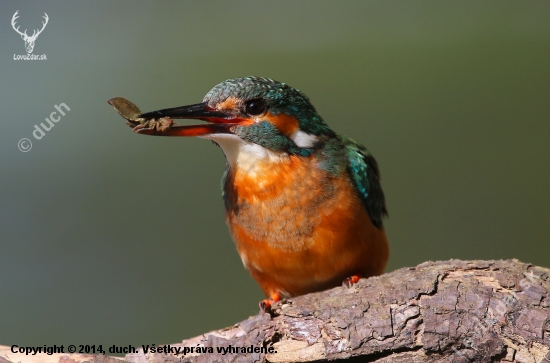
pixel 447 311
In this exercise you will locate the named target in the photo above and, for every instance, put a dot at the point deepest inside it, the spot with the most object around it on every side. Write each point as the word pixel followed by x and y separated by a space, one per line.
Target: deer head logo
pixel 29 40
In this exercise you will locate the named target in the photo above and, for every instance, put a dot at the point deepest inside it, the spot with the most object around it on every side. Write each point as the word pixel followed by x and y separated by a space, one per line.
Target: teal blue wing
pixel 363 170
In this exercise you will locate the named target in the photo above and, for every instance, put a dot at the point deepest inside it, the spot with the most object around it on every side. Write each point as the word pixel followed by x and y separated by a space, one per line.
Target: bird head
pixel 255 115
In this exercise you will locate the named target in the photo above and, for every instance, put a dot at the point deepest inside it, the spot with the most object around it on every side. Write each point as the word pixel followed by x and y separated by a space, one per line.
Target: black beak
pixel 200 111
pixel 220 122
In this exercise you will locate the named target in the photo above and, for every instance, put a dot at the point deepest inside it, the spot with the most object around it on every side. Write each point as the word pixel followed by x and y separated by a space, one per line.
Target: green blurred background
pixel 108 237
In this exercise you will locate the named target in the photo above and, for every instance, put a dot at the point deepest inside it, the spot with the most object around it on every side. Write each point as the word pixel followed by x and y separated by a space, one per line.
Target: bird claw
pixel 266 304
pixel 351 280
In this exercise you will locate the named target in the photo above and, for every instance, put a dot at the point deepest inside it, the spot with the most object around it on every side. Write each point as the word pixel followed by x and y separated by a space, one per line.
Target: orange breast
pixel 299 228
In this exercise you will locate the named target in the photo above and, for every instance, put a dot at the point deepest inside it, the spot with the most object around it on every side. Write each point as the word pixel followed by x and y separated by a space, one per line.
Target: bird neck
pixel 245 156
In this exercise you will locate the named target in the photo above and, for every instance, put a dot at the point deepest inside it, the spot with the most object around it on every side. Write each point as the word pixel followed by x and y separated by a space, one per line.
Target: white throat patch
pixel 243 154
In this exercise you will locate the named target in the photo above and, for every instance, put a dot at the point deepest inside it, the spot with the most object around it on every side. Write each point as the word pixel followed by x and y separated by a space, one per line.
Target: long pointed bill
pixel 220 122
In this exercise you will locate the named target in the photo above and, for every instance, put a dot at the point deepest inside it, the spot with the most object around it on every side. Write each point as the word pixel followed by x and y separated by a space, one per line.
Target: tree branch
pixel 449 311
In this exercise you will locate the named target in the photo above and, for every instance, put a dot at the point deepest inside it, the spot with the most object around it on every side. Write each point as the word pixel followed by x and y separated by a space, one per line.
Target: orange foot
pixel 349 281
pixel 265 305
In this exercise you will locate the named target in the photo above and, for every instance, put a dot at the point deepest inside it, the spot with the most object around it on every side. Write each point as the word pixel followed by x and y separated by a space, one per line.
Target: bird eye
pixel 255 107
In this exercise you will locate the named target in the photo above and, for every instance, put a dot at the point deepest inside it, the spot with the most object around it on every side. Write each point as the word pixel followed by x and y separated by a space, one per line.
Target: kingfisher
pixel 304 204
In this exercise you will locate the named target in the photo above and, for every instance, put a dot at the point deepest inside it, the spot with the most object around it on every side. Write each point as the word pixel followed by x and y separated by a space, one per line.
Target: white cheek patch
pixel 303 140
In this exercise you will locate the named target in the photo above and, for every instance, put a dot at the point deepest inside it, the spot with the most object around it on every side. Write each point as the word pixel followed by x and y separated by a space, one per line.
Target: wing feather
pixel 363 170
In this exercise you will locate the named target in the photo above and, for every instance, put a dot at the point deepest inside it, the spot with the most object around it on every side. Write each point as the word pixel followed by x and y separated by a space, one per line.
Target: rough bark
pixel 449 311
